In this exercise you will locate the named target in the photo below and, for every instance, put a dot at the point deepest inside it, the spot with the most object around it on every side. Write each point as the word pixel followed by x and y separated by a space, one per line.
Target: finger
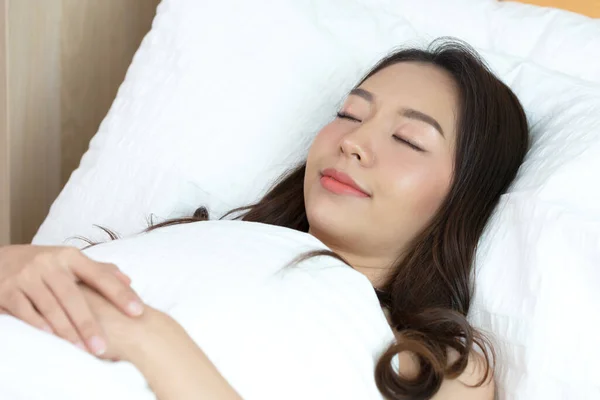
pixel 122 277
pixel 19 306
pixel 103 279
pixel 48 306
pixel 74 304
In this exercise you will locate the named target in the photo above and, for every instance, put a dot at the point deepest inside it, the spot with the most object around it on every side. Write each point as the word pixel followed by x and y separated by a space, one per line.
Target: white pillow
pixel 537 294
pixel 309 331
pixel 223 96
pixel 555 39
pixel 215 107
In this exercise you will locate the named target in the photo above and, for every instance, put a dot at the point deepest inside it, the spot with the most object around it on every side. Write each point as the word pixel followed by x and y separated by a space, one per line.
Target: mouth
pixel 341 183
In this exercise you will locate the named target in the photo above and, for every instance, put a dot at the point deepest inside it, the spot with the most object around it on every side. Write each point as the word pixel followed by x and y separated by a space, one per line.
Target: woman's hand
pixel 125 336
pixel 173 365
pixel 38 284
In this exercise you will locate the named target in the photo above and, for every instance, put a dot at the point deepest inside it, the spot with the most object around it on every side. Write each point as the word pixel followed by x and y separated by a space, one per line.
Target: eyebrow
pixel 368 96
pixel 406 112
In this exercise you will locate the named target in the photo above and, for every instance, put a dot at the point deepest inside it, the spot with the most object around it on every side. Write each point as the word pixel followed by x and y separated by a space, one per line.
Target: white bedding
pixel 223 95
pixel 312 331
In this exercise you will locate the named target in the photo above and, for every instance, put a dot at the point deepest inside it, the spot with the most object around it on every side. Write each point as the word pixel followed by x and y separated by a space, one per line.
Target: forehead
pixel 421 86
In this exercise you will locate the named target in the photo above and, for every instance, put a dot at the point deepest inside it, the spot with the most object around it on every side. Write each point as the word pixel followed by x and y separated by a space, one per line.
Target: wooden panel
pixel 99 39
pixel 4 163
pixel 33 112
pixel 61 62
pixel 590 8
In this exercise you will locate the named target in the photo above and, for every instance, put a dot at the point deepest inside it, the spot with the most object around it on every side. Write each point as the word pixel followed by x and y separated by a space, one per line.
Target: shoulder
pixel 462 388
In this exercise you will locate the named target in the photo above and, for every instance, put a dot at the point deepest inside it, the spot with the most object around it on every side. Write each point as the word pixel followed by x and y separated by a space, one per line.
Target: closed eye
pixel 349 117
pixel 343 115
pixel 409 144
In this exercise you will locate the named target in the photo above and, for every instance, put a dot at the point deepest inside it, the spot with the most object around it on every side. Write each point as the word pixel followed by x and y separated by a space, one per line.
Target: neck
pixel 375 268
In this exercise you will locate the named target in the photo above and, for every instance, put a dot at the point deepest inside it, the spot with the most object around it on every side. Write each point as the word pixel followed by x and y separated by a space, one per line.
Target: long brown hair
pixel 429 293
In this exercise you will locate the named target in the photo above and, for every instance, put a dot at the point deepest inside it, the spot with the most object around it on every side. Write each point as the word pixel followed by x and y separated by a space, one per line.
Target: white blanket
pixel 312 331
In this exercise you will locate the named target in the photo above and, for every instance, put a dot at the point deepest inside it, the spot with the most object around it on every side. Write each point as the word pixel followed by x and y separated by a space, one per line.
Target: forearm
pixel 176 368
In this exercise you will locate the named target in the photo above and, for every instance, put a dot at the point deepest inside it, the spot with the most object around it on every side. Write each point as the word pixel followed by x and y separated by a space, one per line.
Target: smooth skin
pixel 38 285
pixel 395 137
pixel 173 365
pixel 374 142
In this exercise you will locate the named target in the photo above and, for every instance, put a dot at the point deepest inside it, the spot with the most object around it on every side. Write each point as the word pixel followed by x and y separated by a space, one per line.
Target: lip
pixel 341 183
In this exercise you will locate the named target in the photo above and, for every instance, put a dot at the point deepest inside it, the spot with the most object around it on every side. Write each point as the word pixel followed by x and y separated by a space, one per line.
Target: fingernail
pixel 135 308
pixel 47 329
pixel 97 345
pixel 81 346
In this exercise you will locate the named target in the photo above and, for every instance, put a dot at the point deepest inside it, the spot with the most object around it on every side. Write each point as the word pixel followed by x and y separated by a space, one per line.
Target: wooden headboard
pixel 61 62
pixel 591 8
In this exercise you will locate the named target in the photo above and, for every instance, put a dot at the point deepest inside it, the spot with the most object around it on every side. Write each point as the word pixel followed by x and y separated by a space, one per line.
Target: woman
pixel 400 186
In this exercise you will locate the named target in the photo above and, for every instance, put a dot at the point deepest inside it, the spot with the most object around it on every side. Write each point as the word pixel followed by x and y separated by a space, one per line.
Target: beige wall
pixel 33 54
pixel 98 40
pixel 4 171
pixel 64 61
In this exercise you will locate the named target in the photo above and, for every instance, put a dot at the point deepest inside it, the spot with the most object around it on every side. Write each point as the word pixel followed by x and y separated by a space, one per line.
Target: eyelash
pixel 349 117
pixel 343 115
pixel 409 144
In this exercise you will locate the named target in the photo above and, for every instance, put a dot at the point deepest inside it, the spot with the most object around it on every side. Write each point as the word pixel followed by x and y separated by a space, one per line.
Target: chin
pixel 331 217
pixel 331 214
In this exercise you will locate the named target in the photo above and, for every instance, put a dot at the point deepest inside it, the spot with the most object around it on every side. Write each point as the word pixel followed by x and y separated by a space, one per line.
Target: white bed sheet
pixel 312 331
pixel 159 148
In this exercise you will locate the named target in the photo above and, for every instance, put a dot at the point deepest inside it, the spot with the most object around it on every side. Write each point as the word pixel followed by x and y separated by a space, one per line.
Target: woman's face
pixel 394 138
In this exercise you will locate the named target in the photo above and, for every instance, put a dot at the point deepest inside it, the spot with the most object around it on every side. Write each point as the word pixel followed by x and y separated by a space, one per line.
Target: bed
pixel 590 8
pixel 538 264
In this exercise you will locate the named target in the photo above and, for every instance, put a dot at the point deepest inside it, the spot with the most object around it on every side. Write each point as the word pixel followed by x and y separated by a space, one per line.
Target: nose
pixel 356 145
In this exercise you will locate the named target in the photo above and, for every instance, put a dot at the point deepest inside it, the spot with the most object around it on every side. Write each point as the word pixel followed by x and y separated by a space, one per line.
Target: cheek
pixel 324 145
pixel 327 139
pixel 320 149
pixel 419 188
